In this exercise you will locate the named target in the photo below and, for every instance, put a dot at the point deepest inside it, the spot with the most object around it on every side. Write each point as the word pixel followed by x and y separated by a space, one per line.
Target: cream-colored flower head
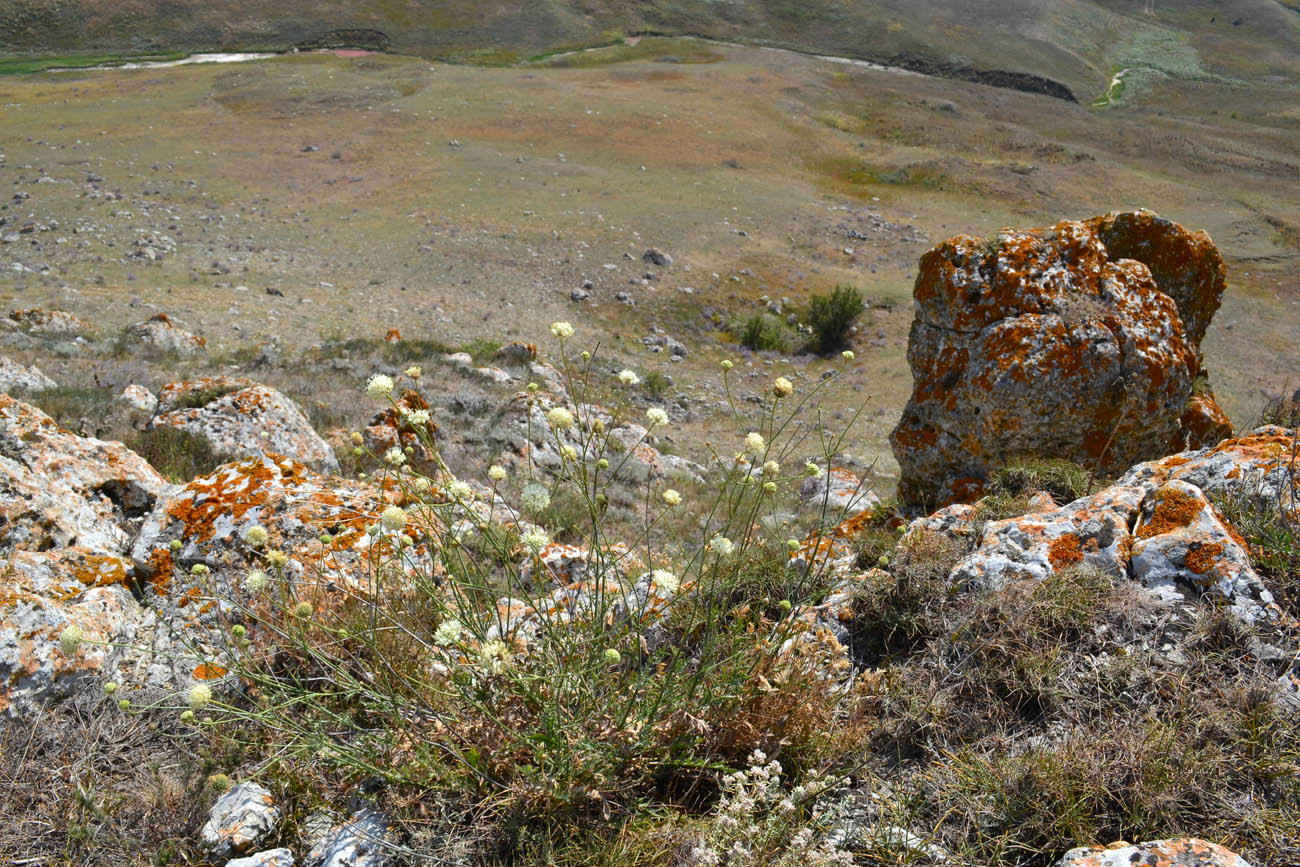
pixel 70 639
pixel 416 417
pixel 200 694
pixel 771 468
pixel 562 330
pixel 380 386
pixel 494 656
pixel 664 581
pixel 755 444
pixel 782 387
pixel 536 540
pixel 628 377
pixel 671 497
pixel 722 546
pixel 535 497
pixel 395 456
pixel 460 490
pixel 656 415
pixel 413 372
pixel 497 473
pixel 256 581
pixel 393 518
pixel 847 355
pixel 256 535
pixel 560 418
pixel 447 633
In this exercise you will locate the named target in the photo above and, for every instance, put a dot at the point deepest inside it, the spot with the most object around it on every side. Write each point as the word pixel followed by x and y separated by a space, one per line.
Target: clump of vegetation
pixel 831 317
pixel 176 454
pixel 763 332
pixel 197 398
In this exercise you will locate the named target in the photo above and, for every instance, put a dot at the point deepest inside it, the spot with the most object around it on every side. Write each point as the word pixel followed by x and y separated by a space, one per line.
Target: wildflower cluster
pixel 759 823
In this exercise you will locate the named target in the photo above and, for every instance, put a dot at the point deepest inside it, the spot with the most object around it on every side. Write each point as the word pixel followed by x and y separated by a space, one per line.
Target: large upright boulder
pixel 1079 341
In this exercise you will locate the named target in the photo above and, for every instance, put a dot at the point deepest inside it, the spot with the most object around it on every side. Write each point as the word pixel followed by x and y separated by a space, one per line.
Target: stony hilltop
pixel 509 616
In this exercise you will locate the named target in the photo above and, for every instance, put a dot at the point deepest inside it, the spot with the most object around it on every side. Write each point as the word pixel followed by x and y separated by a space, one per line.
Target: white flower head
pixel 771 468
pixel 656 415
pixel 569 453
pixel 628 378
pixel 256 535
pixel 535 497
pixel 560 418
pixel 394 456
pixel 664 581
pixel 847 355
pixel 460 490
pixel 671 497
pixel 447 633
pixel 256 581
pixel 562 330
pixel 380 386
pixel 497 473
pixel 494 656
pixel 200 694
pixel 413 372
pixel 755 444
pixel 536 540
pixel 722 546
pixel 416 417
pixel 782 387
pixel 393 518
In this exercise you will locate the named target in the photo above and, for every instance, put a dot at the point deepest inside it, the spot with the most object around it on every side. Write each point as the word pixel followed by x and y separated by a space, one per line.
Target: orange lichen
pixel 1064 551
pixel 1203 556
pixel 1175 510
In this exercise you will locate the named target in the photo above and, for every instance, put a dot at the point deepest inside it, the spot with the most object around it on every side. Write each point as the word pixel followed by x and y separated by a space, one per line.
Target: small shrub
pixel 1065 480
pixel 481 349
pixel 656 384
pixel 831 317
pixel 197 398
pixel 762 332
pixel 175 453
pixel 1283 411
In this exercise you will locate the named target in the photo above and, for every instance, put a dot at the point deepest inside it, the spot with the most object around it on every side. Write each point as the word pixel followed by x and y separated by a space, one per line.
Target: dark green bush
pixel 763 332
pixel 831 317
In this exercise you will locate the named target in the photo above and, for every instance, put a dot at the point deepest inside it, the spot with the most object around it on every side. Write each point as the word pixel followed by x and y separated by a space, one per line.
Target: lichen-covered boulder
pixel 1081 340
pixel 837 490
pixel 1178 852
pixel 14 376
pixel 270 858
pixel 1183 541
pixel 242 818
pixel 55 323
pixel 241 417
pixel 1156 525
pixel 59 490
pixel 44 593
pixel 160 333
pixel 135 405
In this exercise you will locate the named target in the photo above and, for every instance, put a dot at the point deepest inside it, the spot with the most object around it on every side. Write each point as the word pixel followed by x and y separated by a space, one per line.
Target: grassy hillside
pixel 1079 43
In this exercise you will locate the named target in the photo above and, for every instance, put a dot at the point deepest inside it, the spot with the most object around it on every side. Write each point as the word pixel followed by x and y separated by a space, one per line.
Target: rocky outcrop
pixel 160 333
pixel 241 417
pixel 1079 341
pixel 14 376
pixel 1156 525
pixel 53 323
pixel 1179 852
pixel 404 425
pixel 68 508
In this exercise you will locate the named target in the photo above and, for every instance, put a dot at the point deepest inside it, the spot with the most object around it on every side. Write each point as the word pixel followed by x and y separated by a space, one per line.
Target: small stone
pixel 269 858
pixel 1183 851
pixel 240 819
pixel 657 257
pixel 578 295
pixel 365 840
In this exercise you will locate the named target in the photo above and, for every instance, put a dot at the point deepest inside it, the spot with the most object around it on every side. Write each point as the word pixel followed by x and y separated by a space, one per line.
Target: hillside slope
pixel 1079 44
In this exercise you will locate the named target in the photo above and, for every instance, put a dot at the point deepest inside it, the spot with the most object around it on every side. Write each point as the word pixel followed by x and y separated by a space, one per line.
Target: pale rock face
pixel 365 840
pixel 838 490
pixel 269 858
pixel 162 334
pixel 1060 342
pixel 1182 541
pixel 56 323
pixel 14 376
pixel 67 509
pixel 241 417
pixel 1178 852
pixel 241 818
pixel 61 490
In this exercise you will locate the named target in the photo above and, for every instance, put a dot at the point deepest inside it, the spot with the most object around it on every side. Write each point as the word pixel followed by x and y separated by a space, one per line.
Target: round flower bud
pixel 174 544
pixel 256 536
pixel 727 364
pixel 238 630
pixel 110 688
pixel 187 716
pixel 70 639
pixel 302 609
pixel 612 656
